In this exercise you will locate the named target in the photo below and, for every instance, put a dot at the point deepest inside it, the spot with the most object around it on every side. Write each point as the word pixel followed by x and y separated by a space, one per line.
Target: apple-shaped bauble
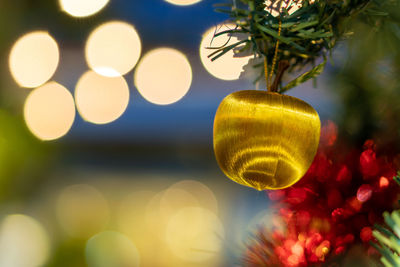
pixel 265 140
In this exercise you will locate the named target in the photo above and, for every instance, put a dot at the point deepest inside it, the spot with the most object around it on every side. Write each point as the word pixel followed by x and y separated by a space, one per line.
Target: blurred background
pixel 106 115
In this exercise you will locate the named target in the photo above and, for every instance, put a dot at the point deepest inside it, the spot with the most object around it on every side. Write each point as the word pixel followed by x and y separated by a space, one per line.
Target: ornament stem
pixel 283 65
pixel 275 57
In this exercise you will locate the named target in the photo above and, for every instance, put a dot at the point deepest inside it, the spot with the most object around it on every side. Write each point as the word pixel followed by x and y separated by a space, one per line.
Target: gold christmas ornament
pixel 265 140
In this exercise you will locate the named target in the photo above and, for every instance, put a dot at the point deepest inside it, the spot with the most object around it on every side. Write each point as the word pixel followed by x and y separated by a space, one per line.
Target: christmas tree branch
pixel 389 240
pixel 307 34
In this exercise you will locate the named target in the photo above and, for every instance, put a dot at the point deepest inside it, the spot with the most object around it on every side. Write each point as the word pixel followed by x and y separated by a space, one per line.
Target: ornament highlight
pixel 265 140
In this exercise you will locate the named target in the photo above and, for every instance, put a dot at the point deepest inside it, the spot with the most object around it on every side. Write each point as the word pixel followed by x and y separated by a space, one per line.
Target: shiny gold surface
pixel 265 140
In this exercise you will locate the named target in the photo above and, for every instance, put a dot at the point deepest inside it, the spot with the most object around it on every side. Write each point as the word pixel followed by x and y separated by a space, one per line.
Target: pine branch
pixel 309 33
pixel 389 240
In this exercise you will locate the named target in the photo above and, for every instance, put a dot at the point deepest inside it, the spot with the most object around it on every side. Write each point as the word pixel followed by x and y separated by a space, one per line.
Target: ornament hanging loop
pixel 266 72
pixel 278 76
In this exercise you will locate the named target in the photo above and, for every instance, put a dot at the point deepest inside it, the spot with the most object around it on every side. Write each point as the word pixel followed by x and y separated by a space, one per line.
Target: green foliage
pixel 389 240
pixel 314 72
pixel 309 33
pixel 22 159
pixel 365 80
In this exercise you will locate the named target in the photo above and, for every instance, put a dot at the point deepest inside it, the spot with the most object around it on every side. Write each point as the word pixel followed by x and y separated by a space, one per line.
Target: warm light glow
pixel 131 214
pixel 175 199
pixel 111 249
pixel 164 205
pixel 183 2
pixel 49 111
pixel 276 7
pixel 113 48
pixel 23 242
pixel 226 67
pixel 82 210
pixel 383 182
pixel 34 59
pixel 204 196
pixel 131 222
pixel 101 99
pixel 82 8
pixel 163 76
pixel 194 234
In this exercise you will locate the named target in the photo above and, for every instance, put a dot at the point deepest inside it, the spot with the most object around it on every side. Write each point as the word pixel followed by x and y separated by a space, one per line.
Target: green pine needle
pixel 389 240
pixel 309 33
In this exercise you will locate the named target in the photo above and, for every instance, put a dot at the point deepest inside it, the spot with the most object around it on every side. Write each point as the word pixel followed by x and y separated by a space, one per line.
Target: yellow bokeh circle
pixel 113 48
pixel 275 8
pixel 100 99
pixel 163 76
pixel 226 67
pixel 49 111
pixel 202 193
pixel 194 234
pixel 23 242
pixel 111 248
pixel 82 210
pixel 33 59
pixel 183 2
pixel 82 8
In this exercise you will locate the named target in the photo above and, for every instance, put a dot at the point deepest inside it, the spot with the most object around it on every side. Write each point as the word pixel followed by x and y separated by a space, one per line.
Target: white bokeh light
pixel 23 242
pixel 101 99
pixel 82 8
pixel 276 7
pixel 33 59
pixel 163 76
pixel 49 111
pixel 113 48
pixel 226 67
pixel 183 2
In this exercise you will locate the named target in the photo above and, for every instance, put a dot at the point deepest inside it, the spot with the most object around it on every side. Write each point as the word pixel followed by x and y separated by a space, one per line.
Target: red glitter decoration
pixel 364 193
pixel 333 207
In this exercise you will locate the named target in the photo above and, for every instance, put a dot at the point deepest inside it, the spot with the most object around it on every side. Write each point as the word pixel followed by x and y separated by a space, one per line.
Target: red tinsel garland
pixel 333 207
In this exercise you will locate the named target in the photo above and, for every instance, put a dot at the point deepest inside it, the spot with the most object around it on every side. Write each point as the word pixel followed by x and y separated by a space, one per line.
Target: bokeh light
pixel 101 99
pixel 163 76
pixel 131 213
pixel 132 223
pixel 183 2
pixel 113 48
pixel 203 194
pixel 33 59
pixel 111 249
pixel 23 242
pixel 195 234
pixel 49 111
pixel 226 67
pixel 276 7
pixel 164 205
pixel 174 199
pixel 82 210
pixel 82 8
